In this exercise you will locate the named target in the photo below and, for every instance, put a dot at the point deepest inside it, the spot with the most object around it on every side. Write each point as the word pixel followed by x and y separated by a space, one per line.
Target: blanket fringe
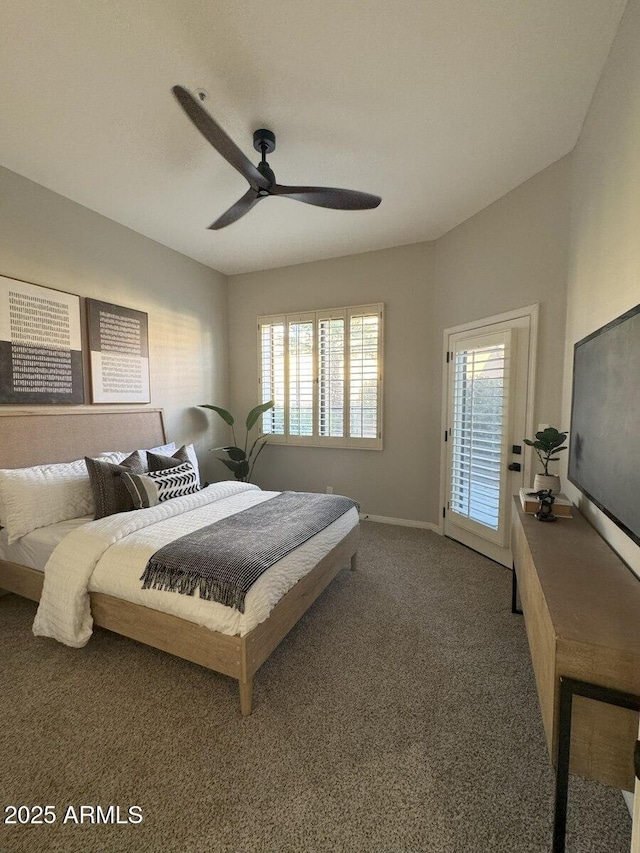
pixel 210 560
pixel 158 576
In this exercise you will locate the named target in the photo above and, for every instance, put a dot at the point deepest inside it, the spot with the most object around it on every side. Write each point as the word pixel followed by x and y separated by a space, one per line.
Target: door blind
pixel 479 421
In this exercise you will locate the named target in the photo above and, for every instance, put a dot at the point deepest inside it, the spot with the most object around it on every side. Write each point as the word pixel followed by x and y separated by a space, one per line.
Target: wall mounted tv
pixel 604 449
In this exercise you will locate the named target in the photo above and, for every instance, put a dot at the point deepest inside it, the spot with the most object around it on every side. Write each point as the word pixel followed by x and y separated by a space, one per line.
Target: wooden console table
pixel 582 614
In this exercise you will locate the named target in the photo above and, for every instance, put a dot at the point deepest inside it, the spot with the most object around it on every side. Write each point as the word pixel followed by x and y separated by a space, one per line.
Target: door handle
pixel 515 466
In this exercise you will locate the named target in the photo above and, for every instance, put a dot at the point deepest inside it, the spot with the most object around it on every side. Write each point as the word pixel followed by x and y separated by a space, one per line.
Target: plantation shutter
pixel 479 432
pixel 323 369
pixel 331 376
pixel 301 375
pixel 364 374
pixel 272 372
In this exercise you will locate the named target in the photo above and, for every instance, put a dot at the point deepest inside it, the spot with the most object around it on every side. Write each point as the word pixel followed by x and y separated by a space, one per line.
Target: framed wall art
pixel 40 345
pixel 119 353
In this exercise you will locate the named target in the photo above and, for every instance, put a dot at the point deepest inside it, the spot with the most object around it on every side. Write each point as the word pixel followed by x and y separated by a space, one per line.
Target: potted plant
pixel 547 444
pixel 241 459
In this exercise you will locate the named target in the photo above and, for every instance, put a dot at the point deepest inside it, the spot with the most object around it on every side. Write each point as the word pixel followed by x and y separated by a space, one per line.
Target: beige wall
pixel 604 258
pixel 391 482
pixel 509 255
pixel 47 239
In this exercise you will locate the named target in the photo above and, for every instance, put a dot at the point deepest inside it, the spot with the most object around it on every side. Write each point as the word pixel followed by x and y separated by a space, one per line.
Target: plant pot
pixel 546 481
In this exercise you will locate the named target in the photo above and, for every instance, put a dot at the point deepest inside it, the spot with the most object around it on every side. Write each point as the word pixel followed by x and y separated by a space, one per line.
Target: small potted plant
pixel 242 459
pixel 547 444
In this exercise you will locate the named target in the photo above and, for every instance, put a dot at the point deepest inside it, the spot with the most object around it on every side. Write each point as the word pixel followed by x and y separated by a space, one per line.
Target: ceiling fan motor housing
pixel 264 138
pixel 266 171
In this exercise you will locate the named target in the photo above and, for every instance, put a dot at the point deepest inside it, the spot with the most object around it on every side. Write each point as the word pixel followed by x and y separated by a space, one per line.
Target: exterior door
pixel 489 391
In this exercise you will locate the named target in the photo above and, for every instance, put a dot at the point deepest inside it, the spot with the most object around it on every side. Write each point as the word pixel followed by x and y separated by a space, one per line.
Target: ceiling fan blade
pixel 242 206
pixel 332 197
pixel 214 134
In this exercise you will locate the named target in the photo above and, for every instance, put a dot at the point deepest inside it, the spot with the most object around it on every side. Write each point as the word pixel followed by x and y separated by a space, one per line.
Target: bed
pixel 37 437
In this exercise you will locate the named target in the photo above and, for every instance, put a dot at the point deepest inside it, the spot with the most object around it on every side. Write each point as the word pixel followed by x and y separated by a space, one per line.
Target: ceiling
pixel 439 106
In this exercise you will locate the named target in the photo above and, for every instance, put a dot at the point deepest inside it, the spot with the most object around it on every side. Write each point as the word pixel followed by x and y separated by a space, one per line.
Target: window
pixel 324 371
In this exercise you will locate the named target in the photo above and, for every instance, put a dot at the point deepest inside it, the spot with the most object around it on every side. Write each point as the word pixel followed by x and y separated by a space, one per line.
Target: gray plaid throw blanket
pixel 224 559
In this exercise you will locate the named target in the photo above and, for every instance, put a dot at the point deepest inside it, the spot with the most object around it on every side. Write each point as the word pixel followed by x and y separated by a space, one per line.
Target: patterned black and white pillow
pixel 157 486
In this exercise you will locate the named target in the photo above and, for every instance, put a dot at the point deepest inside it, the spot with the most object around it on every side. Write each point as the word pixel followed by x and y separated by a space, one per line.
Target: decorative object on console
pixel 40 345
pixel 546 498
pixel 547 444
pixel 261 180
pixel 119 353
pixel 240 461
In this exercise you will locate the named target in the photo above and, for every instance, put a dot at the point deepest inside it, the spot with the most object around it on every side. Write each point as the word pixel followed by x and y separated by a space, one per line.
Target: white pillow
pixel 167 449
pixel 118 455
pixel 43 495
pixel 191 453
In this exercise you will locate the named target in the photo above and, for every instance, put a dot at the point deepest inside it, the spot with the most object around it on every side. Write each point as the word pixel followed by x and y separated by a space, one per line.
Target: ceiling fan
pixel 261 179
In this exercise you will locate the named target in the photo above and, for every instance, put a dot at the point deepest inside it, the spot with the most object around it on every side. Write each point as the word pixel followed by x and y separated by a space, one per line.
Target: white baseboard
pixel 628 799
pixel 401 522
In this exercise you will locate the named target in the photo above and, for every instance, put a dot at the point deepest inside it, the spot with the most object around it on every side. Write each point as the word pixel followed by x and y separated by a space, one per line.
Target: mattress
pixel 35 548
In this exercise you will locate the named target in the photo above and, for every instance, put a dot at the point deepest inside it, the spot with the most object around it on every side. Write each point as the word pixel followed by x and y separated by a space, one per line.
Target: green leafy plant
pixel 547 444
pixel 241 459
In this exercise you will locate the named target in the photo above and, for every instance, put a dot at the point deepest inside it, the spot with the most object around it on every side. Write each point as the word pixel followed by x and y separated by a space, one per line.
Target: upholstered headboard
pixel 37 436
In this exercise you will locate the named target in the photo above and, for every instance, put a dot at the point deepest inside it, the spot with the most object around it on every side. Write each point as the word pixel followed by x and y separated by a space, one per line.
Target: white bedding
pixel 34 549
pixel 110 555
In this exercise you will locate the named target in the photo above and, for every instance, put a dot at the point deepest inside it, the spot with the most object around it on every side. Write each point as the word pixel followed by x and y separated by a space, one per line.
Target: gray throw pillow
pixel 110 494
pixel 160 462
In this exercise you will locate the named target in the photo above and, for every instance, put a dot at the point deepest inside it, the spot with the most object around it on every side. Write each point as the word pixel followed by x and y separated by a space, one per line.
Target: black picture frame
pixel 41 359
pixel 118 353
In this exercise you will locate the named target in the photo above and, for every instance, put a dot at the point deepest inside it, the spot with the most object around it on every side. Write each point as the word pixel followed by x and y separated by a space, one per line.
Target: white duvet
pixel 110 555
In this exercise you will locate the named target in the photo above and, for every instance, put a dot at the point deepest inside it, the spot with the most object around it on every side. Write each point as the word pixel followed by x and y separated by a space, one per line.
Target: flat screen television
pixel 604 440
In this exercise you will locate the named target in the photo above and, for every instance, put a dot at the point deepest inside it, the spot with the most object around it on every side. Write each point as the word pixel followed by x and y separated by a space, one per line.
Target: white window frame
pixel 316 440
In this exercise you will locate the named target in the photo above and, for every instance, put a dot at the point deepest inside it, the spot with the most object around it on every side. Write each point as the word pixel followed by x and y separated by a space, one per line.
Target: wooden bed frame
pixel 34 437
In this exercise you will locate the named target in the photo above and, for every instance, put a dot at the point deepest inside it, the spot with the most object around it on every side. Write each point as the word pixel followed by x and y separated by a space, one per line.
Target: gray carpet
pixel 399 715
